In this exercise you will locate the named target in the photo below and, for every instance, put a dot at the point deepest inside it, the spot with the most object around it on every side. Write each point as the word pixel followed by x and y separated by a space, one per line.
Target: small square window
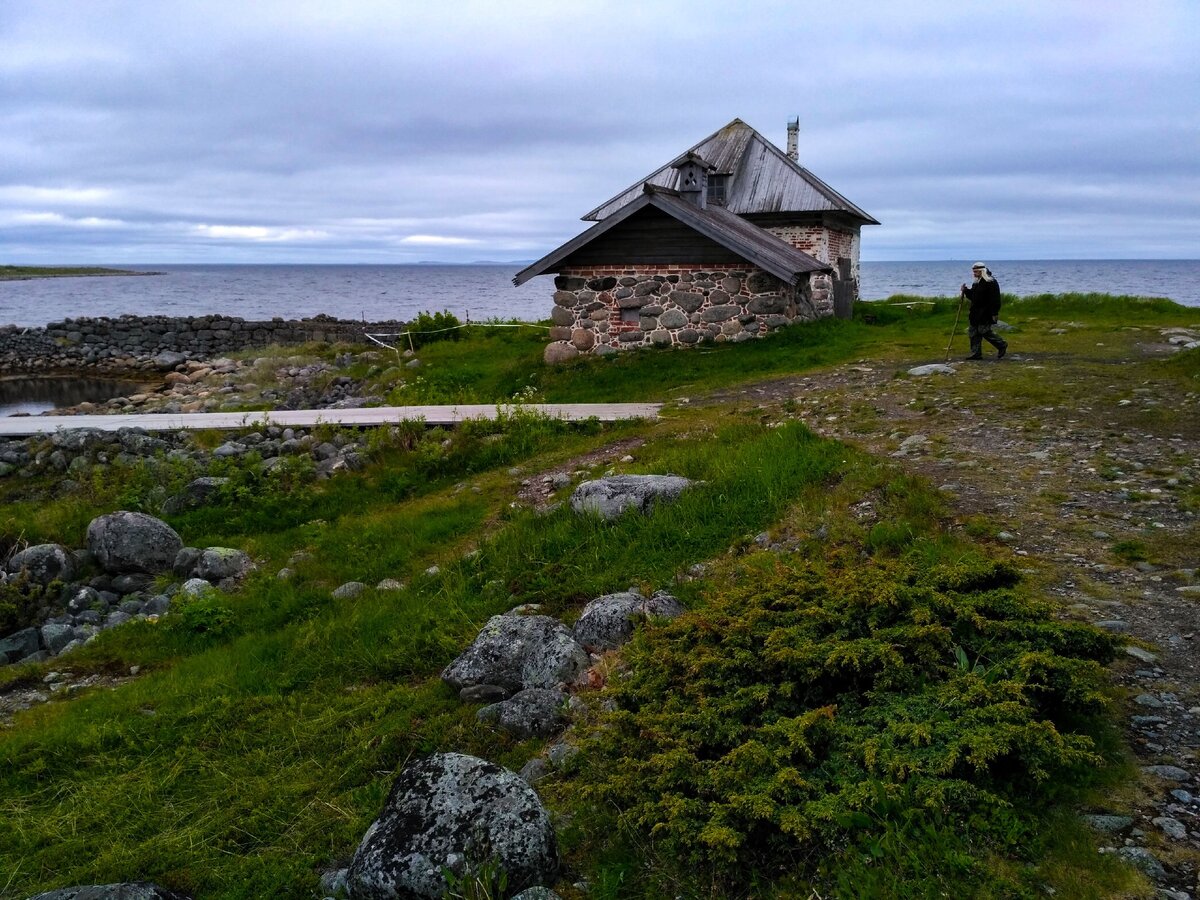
pixel 716 189
pixel 629 315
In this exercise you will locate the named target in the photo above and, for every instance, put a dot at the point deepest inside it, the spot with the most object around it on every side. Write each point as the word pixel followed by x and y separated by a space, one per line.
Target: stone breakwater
pixel 156 343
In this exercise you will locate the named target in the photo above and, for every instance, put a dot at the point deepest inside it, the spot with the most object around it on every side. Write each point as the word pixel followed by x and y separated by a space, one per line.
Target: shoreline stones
pixel 458 813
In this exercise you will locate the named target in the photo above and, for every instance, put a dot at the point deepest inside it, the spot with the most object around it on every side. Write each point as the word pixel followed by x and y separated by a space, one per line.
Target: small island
pixel 24 273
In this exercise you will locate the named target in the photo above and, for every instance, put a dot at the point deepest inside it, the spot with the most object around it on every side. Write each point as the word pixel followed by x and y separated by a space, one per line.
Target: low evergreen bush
pixel 818 705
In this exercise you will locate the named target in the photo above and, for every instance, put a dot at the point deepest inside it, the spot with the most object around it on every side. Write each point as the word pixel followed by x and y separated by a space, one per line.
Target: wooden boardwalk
pixel 23 426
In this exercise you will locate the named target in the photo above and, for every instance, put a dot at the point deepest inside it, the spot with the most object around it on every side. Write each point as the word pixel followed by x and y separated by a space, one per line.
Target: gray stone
pixel 169 359
pixel 533 712
pixel 44 563
pixel 455 812
pixel 1168 773
pixel 559 352
pixel 349 590
pixel 537 893
pixel 185 561
pixel 720 313
pixel 217 563
pixel 1172 828
pixel 689 336
pixel 688 301
pixel 933 369
pixel 566 299
pixel 19 645
pixel 124 542
pixel 1143 859
pixel 157 605
pixel 333 882
pixel 1139 654
pixel 133 890
pixel 196 587
pixel 132 583
pixel 517 652
pixel 560 316
pixel 199 492
pixel 607 622
pixel 583 339
pixel 1109 823
pixel 673 318
pixel 660 338
pixel 610 497
pixel 484 693
pixel 115 618
pixel 79 440
pixel 535 770
pixel 767 304
pixel 55 637
pixel 83 599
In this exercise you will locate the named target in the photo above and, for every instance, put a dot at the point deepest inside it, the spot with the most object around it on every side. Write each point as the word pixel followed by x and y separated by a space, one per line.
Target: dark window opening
pixel 629 315
pixel 716 189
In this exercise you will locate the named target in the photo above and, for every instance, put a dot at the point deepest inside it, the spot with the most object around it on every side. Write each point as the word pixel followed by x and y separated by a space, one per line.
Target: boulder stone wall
pixel 603 309
pixel 130 343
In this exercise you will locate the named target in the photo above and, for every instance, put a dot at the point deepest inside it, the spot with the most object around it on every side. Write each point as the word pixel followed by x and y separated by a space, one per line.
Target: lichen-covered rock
pixel 533 712
pixel 453 812
pixel 138 890
pixel 123 542
pixel 517 652
pixel 349 590
pixel 609 497
pixel 608 622
pixel 217 563
pixel 44 563
pixel 537 893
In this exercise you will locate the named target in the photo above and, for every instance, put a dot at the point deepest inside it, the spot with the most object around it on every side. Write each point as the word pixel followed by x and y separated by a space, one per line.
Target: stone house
pixel 731 240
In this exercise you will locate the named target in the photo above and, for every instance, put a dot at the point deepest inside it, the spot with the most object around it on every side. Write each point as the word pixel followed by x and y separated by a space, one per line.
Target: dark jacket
pixel 985 302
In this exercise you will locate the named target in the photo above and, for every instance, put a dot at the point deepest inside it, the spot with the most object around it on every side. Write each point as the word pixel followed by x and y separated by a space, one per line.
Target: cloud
pixel 382 131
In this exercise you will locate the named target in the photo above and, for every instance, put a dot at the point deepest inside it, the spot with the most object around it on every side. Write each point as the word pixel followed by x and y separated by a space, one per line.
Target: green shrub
pixel 816 705
pixel 427 328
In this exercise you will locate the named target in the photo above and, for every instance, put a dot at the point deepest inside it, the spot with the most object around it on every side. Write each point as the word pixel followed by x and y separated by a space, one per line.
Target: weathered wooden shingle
pixel 763 179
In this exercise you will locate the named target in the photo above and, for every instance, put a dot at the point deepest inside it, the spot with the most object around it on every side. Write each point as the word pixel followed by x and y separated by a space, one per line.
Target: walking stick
pixel 957 316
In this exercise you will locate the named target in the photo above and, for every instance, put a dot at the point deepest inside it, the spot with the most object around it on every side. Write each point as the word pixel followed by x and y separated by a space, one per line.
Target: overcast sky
pixel 399 131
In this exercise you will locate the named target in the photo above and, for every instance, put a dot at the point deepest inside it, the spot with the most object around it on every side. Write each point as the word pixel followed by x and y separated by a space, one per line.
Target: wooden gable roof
pixel 745 239
pixel 762 179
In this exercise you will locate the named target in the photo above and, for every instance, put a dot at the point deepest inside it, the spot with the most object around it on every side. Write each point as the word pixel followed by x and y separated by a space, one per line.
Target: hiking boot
pixel 1000 353
pixel 973 356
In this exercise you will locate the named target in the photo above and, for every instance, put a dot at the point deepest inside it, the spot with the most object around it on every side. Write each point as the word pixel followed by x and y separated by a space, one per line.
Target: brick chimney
pixel 793 144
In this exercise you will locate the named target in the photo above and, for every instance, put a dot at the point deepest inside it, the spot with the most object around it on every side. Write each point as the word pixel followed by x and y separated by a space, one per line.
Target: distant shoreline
pixel 27 273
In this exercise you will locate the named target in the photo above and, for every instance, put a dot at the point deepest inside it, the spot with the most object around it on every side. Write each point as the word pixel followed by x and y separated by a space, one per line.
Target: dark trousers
pixel 980 333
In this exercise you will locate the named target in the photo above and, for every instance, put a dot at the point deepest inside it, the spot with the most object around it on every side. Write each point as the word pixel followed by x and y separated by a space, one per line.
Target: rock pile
pixel 126 552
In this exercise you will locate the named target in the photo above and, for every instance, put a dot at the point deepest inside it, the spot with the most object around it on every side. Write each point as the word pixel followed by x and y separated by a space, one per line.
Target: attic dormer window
pixel 716 189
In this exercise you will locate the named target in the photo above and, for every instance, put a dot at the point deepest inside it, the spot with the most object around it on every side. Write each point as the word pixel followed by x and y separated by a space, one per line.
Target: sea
pixel 481 292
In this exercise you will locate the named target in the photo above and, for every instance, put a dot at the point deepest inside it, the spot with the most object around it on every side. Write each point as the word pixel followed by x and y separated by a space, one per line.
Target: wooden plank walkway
pixel 23 426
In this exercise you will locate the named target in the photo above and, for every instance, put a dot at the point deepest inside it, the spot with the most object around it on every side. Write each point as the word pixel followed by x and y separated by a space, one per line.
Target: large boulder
pixel 44 563
pixel 608 622
pixel 611 496
pixel 458 813
pixel 199 492
pixel 533 712
pixel 136 890
pixel 123 542
pixel 517 652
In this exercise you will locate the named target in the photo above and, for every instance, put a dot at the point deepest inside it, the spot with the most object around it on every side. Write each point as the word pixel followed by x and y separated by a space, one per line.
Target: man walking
pixel 984 294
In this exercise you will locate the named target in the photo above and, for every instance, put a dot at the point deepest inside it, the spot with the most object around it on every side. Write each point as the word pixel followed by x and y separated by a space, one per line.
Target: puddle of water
pixel 37 395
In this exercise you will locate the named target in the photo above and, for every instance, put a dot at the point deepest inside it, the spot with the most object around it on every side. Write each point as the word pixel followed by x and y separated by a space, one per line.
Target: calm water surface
pixel 36 395
pixel 399 292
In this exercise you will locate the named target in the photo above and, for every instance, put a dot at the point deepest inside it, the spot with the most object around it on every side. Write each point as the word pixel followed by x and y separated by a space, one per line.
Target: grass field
pixel 885 702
